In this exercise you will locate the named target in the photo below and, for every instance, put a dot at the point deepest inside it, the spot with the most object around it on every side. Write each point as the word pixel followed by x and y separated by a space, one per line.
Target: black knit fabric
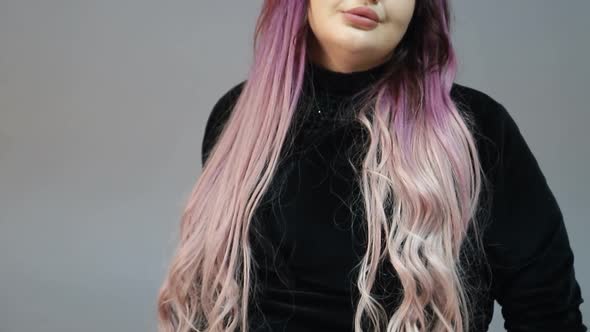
pixel 311 221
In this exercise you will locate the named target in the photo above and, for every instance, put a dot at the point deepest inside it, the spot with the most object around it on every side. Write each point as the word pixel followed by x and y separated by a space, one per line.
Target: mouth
pixel 364 12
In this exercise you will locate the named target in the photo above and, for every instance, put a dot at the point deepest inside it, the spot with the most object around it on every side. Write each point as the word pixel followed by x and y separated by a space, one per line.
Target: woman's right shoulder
pixel 218 116
pixel 225 103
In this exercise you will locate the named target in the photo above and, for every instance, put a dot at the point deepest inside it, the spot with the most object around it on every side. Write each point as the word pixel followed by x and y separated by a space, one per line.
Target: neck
pixel 337 83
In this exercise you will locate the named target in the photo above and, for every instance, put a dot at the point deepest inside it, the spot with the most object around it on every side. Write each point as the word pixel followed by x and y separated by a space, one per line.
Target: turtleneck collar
pixel 335 83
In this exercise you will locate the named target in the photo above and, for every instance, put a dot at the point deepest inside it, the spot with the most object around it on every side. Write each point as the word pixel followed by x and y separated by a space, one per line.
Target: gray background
pixel 102 111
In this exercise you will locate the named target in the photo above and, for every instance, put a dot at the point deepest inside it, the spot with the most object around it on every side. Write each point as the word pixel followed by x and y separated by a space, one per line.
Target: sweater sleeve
pixel 217 118
pixel 528 248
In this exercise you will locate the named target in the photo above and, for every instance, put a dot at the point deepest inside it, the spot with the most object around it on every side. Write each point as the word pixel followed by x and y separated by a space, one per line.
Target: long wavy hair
pixel 420 182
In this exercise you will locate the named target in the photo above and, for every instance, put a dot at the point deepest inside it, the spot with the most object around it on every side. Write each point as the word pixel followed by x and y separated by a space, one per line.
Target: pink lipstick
pixel 363 17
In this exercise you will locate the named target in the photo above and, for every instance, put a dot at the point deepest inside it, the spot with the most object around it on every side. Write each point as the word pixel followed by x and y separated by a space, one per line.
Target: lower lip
pixel 361 21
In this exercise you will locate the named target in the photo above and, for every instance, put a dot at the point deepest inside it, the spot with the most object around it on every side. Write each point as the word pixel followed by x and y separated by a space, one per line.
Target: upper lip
pixel 364 11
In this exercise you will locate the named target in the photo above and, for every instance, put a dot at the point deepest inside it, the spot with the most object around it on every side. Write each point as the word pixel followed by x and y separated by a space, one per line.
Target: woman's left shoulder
pixel 492 125
pixel 487 111
pixel 526 241
pixel 492 120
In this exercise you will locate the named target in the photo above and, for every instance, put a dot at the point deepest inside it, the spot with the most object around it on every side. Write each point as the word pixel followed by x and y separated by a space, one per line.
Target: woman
pixel 350 184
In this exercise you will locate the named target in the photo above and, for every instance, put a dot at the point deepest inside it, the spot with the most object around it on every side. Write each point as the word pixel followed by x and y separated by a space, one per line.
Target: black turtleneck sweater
pixel 312 227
